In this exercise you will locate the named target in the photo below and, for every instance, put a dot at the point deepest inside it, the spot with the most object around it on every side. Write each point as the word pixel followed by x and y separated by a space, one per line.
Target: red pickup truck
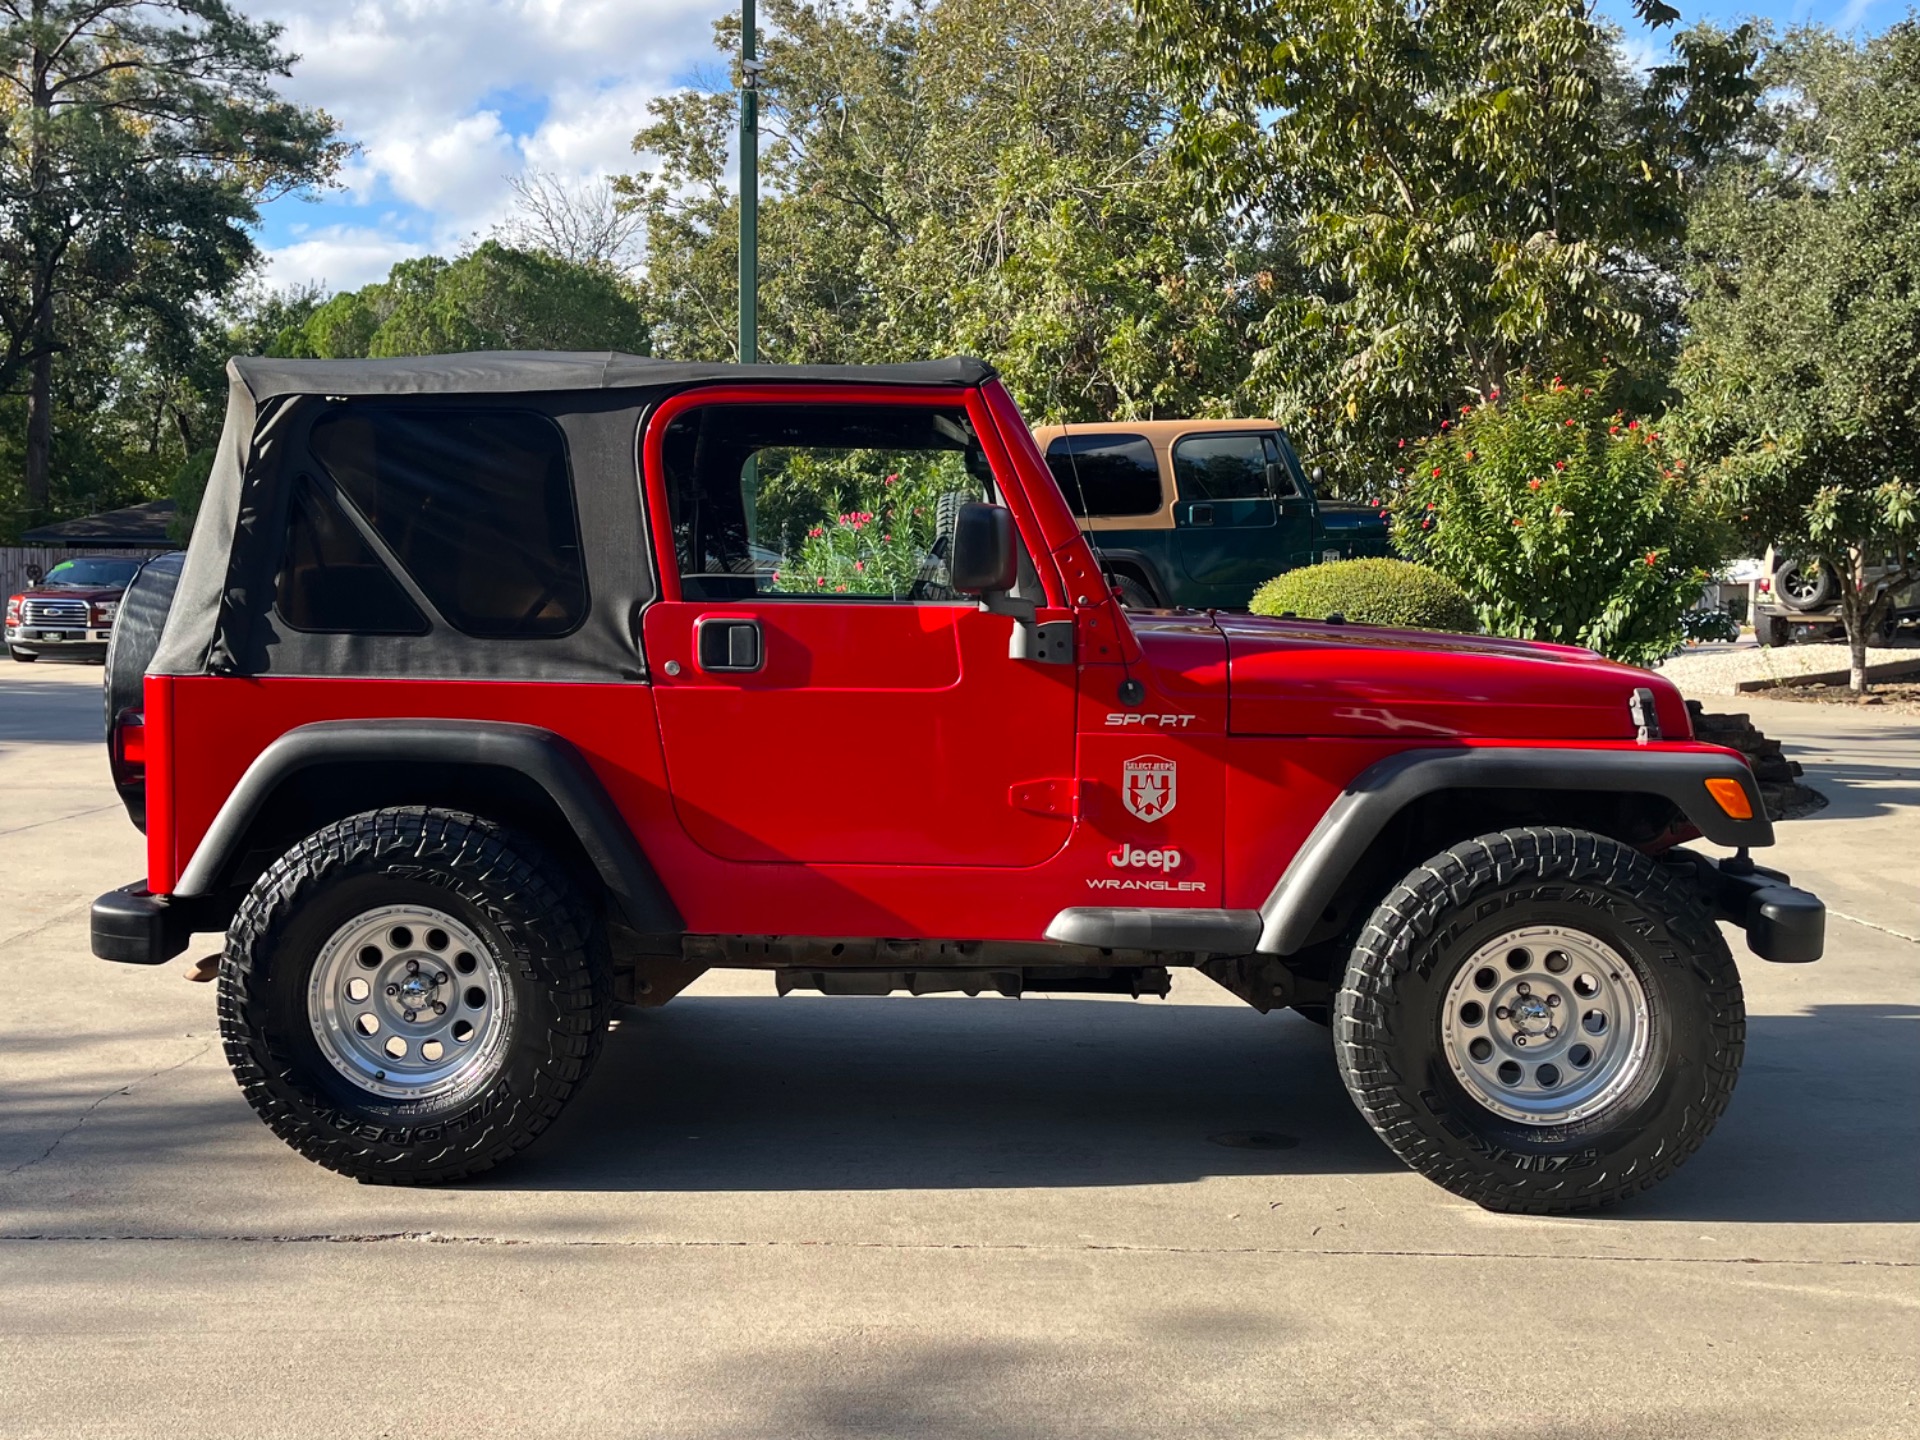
pixel 497 689
pixel 70 610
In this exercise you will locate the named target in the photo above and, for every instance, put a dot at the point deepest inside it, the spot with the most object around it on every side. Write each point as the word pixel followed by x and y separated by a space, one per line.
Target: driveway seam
pixel 431 1237
pixel 1883 929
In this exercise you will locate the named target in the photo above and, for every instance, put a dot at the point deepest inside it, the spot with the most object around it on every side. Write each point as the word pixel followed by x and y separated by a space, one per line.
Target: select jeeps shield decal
pixel 1149 784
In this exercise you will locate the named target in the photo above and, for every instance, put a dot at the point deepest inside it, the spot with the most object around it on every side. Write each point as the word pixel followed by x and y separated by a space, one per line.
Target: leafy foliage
pixel 1565 519
pixel 1801 379
pixel 136 139
pixel 986 176
pixel 856 522
pixel 495 298
pixel 1370 592
pixel 1473 191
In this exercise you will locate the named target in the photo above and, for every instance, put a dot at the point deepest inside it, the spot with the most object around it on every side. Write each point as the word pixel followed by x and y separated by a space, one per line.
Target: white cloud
pixel 341 257
pixel 447 98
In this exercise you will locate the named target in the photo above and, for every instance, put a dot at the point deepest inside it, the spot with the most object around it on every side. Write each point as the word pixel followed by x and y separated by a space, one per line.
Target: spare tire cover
pixel 136 635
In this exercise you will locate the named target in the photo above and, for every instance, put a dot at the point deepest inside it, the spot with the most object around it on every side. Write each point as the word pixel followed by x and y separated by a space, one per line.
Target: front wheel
pixel 411 996
pixel 1541 1020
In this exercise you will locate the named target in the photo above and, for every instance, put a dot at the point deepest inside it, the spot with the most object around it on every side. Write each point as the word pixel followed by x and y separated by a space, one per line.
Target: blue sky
pixel 448 98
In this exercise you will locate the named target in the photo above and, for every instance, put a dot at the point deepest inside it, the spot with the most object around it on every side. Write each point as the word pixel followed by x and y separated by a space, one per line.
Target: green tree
pixel 988 176
pixel 1564 519
pixel 1801 380
pixel 494 298
pixel 137 138
pixel 1475 190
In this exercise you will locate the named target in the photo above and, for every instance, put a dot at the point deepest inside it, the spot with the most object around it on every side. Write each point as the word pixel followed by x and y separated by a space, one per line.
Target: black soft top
pixel 222 620
pixel 521 372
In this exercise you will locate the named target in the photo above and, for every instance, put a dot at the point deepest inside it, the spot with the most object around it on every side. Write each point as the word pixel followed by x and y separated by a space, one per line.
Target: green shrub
pixel 1565 520
pixel 1370 592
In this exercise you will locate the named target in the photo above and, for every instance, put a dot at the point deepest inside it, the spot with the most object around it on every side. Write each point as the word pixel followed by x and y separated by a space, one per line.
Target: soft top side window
pixel 819 501
pixel 1106 474
pixel 330 580
pixel 476 504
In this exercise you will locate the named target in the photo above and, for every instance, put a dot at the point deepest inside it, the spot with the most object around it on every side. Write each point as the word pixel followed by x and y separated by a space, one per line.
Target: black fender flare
pixel 1111 562
pixel 549 760
pixel 1354 821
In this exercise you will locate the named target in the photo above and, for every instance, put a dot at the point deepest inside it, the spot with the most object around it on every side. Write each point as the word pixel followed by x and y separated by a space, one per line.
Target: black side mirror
pixel 34 574
pixel 984 557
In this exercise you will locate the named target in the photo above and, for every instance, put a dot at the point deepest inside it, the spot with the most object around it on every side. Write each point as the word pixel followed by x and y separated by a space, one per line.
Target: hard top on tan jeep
pixel 497 689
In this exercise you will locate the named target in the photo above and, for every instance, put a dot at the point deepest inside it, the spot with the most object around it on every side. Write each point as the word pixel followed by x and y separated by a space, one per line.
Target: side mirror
pixel 1318 475
pixel 985 555
pixel 35 574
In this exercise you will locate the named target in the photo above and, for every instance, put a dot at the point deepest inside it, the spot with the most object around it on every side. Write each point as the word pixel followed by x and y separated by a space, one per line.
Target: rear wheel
pixel 1541 1020
pixel 1773 631
pixel 411 995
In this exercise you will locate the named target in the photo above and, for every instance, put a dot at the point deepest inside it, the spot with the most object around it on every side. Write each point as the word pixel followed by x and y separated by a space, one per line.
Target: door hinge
pixel 1060 798
pixel 1045 642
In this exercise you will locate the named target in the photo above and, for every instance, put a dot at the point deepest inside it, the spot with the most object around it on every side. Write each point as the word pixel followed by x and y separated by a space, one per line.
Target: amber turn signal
pixel 1731 796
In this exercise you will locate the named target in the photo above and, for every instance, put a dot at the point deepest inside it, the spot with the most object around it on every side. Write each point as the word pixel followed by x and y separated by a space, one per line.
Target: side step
pixel 1134 980
pixel 1206 932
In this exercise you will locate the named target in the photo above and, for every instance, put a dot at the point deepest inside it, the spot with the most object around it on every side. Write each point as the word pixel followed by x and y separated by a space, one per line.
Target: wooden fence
pixel 14 560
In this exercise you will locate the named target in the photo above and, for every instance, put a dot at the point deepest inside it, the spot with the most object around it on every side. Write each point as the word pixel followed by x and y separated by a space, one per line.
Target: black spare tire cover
pixel 136 635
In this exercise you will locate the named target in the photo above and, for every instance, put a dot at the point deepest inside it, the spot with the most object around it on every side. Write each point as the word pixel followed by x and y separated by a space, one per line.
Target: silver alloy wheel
pixel 407 1002
pixel 1546 1025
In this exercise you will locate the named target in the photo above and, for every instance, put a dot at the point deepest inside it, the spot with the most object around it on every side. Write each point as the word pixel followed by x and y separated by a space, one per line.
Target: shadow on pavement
pixel 1858 789
pixel 746 1094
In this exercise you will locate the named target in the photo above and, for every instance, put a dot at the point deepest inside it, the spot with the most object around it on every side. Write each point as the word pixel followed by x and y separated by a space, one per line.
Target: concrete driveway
pixel 940 1217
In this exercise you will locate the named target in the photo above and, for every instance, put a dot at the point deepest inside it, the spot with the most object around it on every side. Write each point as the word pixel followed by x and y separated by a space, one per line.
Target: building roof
pixel 133 527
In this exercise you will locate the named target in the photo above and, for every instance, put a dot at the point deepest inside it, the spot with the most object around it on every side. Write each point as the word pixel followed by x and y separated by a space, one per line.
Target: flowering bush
pixel 854 522
pixel 1564 519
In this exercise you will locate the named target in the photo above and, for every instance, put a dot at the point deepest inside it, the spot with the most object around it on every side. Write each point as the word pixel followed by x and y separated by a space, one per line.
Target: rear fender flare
pixel 1371 800
pixel 545 758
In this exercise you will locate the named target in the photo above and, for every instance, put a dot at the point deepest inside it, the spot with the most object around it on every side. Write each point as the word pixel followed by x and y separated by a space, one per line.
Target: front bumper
pixel 1783 923
pixel 46 640
pixel 138 928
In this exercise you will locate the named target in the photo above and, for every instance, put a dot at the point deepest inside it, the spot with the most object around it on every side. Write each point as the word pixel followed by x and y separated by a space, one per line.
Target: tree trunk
pixel 40 433
pixel 1857 663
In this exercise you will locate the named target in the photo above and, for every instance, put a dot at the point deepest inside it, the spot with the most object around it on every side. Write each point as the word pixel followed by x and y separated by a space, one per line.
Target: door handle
pixel 727 646
pixel 1201 515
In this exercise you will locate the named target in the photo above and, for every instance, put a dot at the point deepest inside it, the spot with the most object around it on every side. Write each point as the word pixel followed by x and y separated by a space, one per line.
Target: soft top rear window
pixel 476 503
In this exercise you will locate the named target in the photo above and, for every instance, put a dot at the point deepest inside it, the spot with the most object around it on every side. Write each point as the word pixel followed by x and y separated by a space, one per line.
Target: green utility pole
pixel 749 189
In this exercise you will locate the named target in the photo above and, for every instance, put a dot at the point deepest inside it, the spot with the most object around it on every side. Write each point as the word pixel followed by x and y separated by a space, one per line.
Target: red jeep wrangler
pixel 499 688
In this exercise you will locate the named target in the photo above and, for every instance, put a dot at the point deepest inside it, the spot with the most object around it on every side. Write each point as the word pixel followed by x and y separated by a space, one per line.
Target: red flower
pixel 1534 484
pixel 860 565
pixel 840 589
pixel 1559 464
pixel 1653 558
pixel 1403 444
pixel 1445 423
pixel 1436 471
pixel 891 479
pixel 1569 424
pixel 1430 503
pixel 1613 429
pixel 1633 424
pixel 821 581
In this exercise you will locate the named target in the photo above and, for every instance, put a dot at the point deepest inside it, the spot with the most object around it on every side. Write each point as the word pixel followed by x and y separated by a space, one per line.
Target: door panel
pixel 851 709
pixel 874 733
pixel 1227 527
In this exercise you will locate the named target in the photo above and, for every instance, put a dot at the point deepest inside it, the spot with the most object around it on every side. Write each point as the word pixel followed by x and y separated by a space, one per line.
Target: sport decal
pixel 1149 786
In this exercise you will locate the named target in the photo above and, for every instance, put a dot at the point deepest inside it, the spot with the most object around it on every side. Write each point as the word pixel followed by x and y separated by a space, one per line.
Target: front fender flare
pixel 547 759
pixel 1354 821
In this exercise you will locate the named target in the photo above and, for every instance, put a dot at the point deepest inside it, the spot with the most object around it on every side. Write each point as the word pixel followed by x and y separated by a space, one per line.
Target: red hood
pixel 71 592
pixel 1295 677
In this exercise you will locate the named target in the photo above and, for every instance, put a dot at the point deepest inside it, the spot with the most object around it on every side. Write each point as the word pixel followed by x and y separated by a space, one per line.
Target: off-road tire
pixel 545 939
pixel 1133 595
pixel 1796 589
pixel 1387 1025
pixel 1773 632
